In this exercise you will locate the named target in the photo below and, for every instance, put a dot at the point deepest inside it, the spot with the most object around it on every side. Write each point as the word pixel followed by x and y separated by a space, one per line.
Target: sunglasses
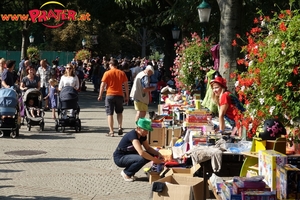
pixel 68 68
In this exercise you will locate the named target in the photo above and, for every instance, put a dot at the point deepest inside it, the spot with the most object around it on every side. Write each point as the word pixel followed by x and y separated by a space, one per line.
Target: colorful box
pixel 259 195
pixel 157 125
pixel 196 118
pixel 268 161
pixel 227 191
pixel 238 187
pixel 288 182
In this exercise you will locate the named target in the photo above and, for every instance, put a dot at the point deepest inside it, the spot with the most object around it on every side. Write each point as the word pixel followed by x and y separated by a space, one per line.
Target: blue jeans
pixel 132 163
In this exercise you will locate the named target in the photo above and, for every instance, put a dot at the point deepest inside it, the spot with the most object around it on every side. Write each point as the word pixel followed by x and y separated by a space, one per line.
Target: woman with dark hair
pixel 7 77
pixel 31 80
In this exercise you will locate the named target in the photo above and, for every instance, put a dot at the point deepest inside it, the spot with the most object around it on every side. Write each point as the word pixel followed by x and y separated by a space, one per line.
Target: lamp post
pixel 175 33
pixel 204 10
pixel 83 42
pixel 31 39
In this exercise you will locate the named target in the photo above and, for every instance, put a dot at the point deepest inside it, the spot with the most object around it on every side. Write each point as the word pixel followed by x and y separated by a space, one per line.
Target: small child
pixel 52 95
pixel 34 111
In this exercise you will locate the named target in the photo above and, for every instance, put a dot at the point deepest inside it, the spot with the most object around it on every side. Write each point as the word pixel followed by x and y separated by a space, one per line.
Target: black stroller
pixel 68 110
pixel 9 112
pixel 32 99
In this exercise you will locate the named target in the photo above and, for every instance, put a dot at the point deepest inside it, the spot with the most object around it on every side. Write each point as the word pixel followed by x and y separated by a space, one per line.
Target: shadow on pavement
pixel 34 160
pixel 18 197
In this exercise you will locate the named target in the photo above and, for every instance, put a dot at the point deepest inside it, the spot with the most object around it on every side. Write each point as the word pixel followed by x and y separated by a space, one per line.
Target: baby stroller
pixel 68 110
pixel 32 99
pixel 9 112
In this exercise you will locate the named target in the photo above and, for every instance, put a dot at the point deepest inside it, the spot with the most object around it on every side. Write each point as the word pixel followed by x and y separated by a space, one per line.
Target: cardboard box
pixel 157 137
pixel 268 161
pixel 180 171
pixel 177 134
pixel 179 188
pixel 154 176
pixel 167 154
pixel 288 182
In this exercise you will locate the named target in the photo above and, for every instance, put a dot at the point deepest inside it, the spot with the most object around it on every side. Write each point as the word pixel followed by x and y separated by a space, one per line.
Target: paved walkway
pixel 62 166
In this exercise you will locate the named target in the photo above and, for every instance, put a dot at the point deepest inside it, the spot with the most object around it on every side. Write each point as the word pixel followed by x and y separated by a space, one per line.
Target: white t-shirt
pixel 69 81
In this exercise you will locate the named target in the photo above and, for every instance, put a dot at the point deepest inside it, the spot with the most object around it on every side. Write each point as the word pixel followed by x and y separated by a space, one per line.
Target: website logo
pixel 51 18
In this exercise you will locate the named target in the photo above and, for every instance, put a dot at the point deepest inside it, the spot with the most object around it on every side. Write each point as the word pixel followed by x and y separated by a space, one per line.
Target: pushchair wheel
pixel 42 126
pixel 56 125
pixel 78 125
pixel 63 129
pixel 79 122
pixel 1 134
pixel 17 131
pixel 13 134
pixel 76 129
pixel 28 127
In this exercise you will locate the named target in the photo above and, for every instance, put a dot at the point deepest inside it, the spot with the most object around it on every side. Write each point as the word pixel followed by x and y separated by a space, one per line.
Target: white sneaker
pixel 125 177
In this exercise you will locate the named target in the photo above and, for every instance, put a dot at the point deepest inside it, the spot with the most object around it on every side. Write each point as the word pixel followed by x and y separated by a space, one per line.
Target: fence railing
pixel 64 56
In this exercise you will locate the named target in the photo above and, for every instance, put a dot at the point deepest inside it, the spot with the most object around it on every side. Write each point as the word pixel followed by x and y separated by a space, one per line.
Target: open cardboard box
pixel 154 176
pixel 183 171
pixel 180 171
pixel 180 187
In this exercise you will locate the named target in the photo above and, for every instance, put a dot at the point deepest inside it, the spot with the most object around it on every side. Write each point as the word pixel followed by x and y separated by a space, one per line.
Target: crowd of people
pixel 49 78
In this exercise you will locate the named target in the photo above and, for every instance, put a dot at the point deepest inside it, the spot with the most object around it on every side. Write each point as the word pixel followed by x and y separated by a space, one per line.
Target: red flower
pixel 289 84
pixel 234 43
pixel 282 45
pixel 255 21
pixel 281 16
pixel 260 60
pixel 278 97
pixel 260 113
pixel 282 26
pixel 295 70
pixel 240 61
pixel 226 65
pixel 255 30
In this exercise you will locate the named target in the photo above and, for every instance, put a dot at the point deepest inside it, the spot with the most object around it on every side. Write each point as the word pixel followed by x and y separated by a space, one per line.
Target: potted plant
pixel 33 54
pixel 83 54
pixel 193 57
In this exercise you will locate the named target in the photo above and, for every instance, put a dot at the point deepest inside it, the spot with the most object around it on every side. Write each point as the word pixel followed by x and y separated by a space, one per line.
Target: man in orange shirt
pixel 113 80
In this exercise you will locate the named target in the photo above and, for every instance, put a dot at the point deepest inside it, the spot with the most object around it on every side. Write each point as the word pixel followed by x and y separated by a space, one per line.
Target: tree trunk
pixel 144 42
pixel 24 40
pixel 228 29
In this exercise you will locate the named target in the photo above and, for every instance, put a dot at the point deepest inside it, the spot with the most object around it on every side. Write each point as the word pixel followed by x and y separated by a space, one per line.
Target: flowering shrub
pixel 294 136
pixel 33 54
pixel 82 54
pixel 270 87
pixel 193 57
